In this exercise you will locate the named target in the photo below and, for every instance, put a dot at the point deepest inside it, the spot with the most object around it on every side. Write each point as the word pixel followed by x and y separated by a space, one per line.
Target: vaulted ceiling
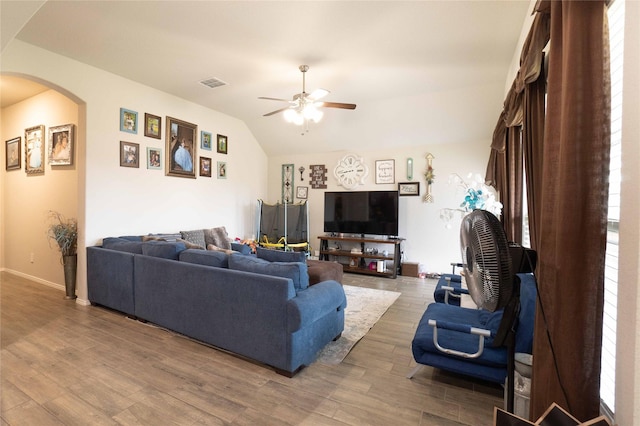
pixel 420 72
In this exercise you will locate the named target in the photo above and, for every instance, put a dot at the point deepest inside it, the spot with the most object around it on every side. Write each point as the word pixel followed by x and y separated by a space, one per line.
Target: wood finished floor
pixel 62 363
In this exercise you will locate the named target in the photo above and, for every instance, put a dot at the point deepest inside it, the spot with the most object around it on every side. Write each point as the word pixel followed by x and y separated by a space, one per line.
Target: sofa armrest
pixel 314 302
pixel 461 328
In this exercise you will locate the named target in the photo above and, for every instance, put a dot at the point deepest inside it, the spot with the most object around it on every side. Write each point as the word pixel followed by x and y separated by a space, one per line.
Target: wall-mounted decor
pixel 429 177
pixel 385 171
pixel 302 192
pixel 34 150
pixel 287 183
pixel 409 188
pixel 222 170
pixel 222 144
pixel 154 158
pixel 61 145
pixel 129 154
pixel 152 126
pixel 205 166
pixel 180 145
pixel 318 176
pixel 409 168
pixel 205 140
pixel 351 171
pixel 13 153
pixel 128 121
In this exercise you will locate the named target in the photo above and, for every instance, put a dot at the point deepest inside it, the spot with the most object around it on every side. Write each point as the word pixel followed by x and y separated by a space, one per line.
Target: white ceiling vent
pixel 213 82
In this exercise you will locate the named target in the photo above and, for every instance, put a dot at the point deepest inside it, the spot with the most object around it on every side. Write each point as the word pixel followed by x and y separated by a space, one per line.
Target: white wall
pixel 114 200
pixel 428 241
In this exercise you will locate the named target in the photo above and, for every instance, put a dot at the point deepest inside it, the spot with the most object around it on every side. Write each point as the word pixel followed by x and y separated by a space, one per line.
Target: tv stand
pixel 356 261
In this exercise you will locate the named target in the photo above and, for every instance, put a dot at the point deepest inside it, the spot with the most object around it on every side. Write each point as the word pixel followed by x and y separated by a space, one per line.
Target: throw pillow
pixel 189 245
pixel 296 271
pixel 218 237
pixel 167 237
pixel 280 256
pixel 194 237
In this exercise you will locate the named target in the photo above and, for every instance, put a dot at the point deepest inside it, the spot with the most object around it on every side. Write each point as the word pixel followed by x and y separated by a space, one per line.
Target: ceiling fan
pixel 304 106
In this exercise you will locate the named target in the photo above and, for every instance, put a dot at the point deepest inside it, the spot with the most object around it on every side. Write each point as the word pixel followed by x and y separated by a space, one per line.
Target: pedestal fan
pixel 491 280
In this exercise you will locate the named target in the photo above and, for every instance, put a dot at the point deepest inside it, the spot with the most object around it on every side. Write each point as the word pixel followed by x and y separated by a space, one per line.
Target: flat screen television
pixel 361 212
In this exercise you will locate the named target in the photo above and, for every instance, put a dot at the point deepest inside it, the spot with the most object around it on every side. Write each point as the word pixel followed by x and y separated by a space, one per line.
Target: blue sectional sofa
pixel 262 310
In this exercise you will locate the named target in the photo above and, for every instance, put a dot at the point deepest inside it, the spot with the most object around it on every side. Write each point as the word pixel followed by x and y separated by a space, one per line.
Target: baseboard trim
pixel 51 284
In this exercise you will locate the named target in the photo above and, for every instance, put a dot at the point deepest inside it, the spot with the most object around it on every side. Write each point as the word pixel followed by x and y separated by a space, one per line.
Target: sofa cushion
pixel 217 259
pixel 122 244
pixel 296 271
pixel 280 256
pixel 164 249
pixel 218 237
pixel 194 237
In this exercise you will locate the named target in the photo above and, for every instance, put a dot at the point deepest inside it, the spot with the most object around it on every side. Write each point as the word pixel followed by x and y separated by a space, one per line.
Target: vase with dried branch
pixel 65 234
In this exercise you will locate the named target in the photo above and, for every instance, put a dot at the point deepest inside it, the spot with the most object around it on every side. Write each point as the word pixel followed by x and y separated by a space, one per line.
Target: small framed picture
pixel 152 126
pixel 13 153
pixel 129 154
pixel 154 158
pixel 128 121
pixel 205 140
pixel 385 171
pixel 34 150
pixel 409 188
pixel 222 170
pixel 205 166
pixel 302 192
pixel 222 144
pixel 61 145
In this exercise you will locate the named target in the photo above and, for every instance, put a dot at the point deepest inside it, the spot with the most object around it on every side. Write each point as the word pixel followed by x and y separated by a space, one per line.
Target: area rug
pixel 365 306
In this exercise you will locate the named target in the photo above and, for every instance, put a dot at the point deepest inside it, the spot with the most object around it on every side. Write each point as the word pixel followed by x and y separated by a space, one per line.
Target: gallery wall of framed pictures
pixel 178 154
pixel 57 147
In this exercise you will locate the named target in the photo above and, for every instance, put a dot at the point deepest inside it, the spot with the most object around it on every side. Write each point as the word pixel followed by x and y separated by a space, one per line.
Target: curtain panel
pixel 573 212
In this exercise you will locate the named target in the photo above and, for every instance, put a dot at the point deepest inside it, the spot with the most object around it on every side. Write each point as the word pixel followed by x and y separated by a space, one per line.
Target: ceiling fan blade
pixel 273 99
pixel 318 94
pixel 275 112
pixel 337 105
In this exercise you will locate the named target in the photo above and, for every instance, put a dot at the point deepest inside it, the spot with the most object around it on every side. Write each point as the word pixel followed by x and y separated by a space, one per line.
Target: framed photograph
pixel 222 144
pixel 385 171
pixel 129 154
pixel 152 126
pixel 128 121
pixel 34 150
pixel 302 192
pixel 409 188
pixel 61 144
pixel 222 170
pixel 180 146
pixel 205 140
pixel 13 153
pixel 205 166
pixel 154 158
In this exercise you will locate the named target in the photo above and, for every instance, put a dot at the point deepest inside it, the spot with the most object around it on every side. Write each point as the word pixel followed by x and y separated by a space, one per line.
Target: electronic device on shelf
pixel 361 212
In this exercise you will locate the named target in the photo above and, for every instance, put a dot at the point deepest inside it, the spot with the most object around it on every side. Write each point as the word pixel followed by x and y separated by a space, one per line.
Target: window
pixel 608 369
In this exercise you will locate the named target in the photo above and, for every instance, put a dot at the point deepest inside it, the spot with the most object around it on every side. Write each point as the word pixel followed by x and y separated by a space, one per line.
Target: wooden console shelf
pixel 361 266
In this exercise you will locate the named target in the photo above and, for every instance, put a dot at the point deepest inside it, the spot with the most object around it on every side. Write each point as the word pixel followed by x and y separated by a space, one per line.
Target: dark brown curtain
pixel 532 143
pixel 573 212
pixel 511 194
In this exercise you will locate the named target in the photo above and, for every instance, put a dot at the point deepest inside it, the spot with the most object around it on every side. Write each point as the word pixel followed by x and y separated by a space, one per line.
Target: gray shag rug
pixel 365 306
